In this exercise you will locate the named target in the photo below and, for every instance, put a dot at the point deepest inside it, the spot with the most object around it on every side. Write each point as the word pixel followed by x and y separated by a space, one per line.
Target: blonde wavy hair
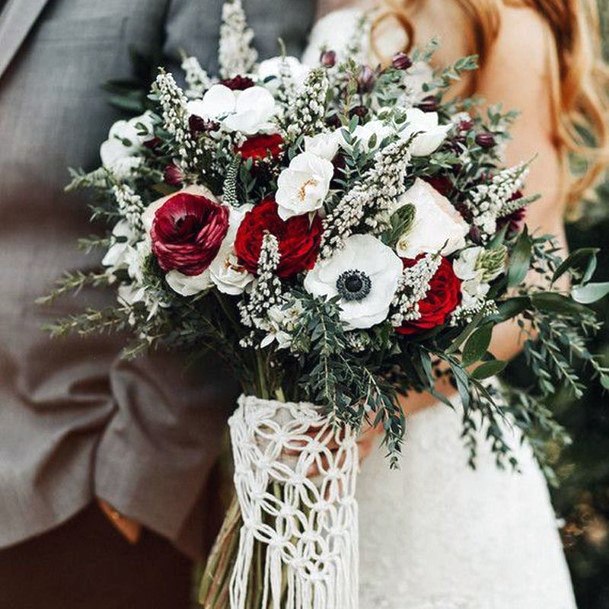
pixel 580 85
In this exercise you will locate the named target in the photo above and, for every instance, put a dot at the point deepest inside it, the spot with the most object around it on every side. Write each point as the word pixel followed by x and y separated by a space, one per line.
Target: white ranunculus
pixel 303 186
pixel 119 153
pixel 324 145
pixel 428 133
pixel 364 134
pixel 249 111
pixel 188 285
pixel 225 271
pixel 437 226
pixel 150 211
pixel 365 274
pixel 270 70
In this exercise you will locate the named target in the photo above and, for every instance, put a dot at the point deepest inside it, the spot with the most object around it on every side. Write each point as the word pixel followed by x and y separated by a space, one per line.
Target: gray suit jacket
pixel 75 421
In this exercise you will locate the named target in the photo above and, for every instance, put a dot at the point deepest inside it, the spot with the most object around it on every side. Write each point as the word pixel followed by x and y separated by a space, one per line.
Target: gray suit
pixel 75 422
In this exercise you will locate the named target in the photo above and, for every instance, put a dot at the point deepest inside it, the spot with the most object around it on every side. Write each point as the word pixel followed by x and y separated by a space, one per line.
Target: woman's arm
pixel 518 74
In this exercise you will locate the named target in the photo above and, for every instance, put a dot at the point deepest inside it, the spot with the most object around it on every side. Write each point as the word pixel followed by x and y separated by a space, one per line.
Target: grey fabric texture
pixel 75 421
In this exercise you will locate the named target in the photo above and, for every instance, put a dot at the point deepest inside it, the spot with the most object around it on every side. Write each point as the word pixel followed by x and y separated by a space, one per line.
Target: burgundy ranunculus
pixel 443 297
pixel 261 147
pixel 238 83
pixel 187 232
pixel 298 237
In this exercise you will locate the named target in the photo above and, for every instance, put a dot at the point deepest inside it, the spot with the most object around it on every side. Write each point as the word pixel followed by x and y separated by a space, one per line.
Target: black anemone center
pixel 353 285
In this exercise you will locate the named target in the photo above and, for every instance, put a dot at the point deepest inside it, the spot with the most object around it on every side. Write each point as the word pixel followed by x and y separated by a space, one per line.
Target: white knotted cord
pixel 312 545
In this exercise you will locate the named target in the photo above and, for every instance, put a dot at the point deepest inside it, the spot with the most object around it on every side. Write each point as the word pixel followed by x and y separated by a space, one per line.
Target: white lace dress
pixel 436 534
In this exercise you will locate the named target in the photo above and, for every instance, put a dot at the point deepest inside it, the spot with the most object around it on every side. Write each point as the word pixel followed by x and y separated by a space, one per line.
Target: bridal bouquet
pixel 340 235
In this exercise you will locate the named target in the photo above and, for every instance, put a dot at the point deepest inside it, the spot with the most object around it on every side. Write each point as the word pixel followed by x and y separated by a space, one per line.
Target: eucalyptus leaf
pixel 575 259
pixel 589 293
pixel 477 344
pixel 554 302
pixel 520 260
pixel 513 307
pixel 488 369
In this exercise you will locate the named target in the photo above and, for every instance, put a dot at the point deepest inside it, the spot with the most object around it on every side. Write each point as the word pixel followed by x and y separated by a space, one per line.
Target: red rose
pixel 298 237
pixel 443 297
pixel 187 232
pixel 261 147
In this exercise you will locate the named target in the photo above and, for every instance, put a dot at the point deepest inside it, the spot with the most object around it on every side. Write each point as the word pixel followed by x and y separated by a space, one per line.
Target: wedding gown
pixel 436 534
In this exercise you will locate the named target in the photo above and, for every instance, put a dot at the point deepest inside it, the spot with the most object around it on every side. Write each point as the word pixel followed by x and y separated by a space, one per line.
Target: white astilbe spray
pixel 266 293
pixel 175 120
pixel 197 78
pixel 307 112
pixel 130 206
pixel 413 287
pixel 489 201
pixel 236 54
pixel 370 200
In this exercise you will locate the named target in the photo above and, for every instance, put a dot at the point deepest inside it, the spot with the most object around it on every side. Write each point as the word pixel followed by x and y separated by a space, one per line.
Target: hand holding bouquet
pixel 334 234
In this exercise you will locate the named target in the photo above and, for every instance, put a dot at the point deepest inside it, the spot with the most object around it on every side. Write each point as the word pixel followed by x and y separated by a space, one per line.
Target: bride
pixel 452 537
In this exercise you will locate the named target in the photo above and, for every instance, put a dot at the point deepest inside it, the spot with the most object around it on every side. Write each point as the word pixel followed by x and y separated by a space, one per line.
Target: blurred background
pixel 582 499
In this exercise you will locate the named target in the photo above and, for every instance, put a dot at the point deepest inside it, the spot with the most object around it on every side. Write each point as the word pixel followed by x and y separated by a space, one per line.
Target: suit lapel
pixel 16 21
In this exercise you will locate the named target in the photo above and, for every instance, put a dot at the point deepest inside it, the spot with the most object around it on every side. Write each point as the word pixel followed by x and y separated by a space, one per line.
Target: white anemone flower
pixel 364 274
pixel 249 111
pixel 437 226
pixel 428 133
pixel 303 186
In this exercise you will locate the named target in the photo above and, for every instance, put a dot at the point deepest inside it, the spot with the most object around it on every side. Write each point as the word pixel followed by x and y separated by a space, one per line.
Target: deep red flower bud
pixel 173 175
pixel 152 143
pixel 428 104
pixel 366 80
pixel 359 111
pixel 475 235
pixel 328 59
pixel 238 83
pixel 465 125
pixel 401 61
pixel 485 140
pixel 333 121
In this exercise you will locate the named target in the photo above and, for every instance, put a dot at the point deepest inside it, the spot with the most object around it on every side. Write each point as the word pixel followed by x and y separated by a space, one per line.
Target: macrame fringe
pixel 308 528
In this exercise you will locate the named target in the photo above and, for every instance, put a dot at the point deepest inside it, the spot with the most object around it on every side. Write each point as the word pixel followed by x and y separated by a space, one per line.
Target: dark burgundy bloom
pixel 465 125
pixel 475 235
pixel 187 232
pixel 328 59
pixel 333 121
pixel 260 147
pixel 401 61
pixel 238 83
pixel 359 111
pixel 152 143
pixel 428 104
pixel 298 237
pixel 485 140
pixel 443 297
pixel 201 125
pixel 441 183
pixel 366 80
pixel 516 220
pixel 173 175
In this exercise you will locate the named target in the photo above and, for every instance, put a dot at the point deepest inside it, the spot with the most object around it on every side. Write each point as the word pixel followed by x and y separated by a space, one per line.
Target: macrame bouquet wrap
pixel 307 525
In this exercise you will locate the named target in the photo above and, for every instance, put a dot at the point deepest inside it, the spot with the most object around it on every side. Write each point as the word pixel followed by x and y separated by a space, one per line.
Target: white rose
pixel 248 111
pixel 324 145
pixel 270 70
pixel 437 226
pixel 428 134
pixel 365 274
pixel 303 186
pixel 188 285
pixel 225 271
